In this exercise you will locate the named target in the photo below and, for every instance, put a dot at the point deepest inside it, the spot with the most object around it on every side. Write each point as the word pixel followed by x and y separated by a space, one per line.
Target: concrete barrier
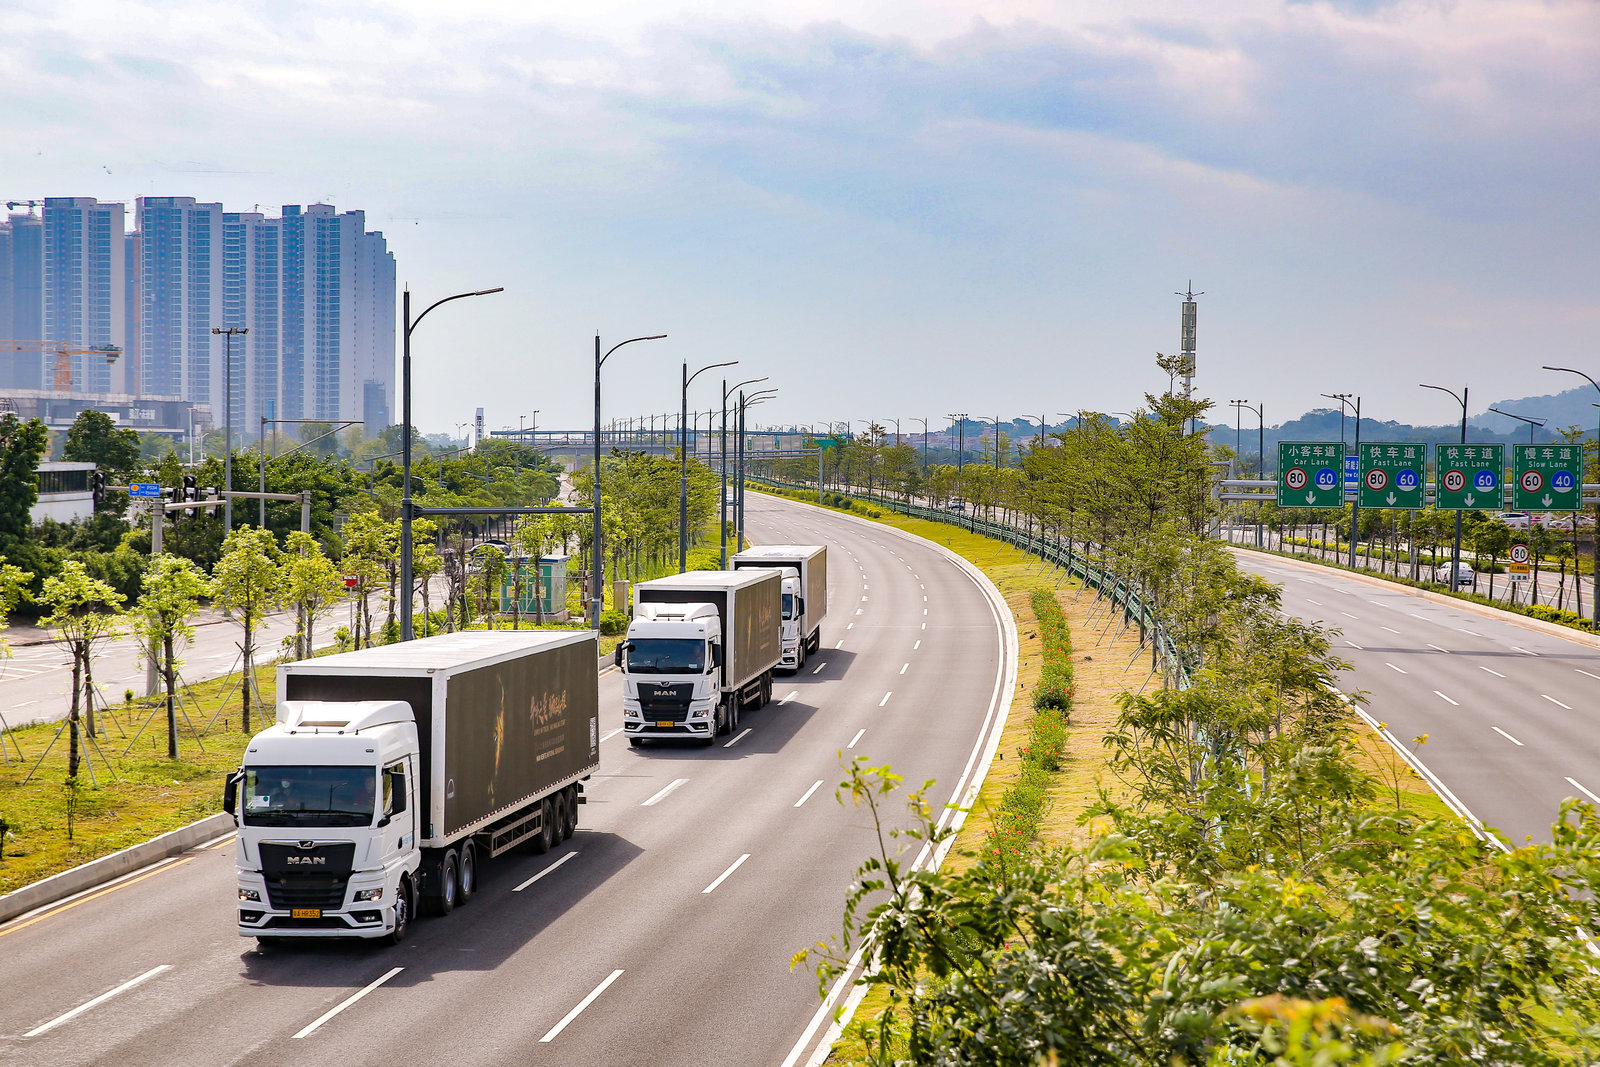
pixel 97 872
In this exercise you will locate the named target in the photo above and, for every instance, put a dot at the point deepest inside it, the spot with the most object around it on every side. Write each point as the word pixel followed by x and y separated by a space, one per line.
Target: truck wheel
pixel 402 912
pixel 800 657
pixel 467 874
pixel 766 691
pixel 546 839
pixel 636 742
pixel 445 902
pixel 733 717
pixel 572 810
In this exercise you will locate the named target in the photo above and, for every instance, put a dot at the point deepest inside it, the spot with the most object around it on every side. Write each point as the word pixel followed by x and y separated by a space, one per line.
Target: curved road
pixel 661 933
pixel 1509 709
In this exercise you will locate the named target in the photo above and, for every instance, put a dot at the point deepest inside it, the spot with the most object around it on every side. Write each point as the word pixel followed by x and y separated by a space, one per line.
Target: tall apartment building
pixel 84 287
pixel 21 298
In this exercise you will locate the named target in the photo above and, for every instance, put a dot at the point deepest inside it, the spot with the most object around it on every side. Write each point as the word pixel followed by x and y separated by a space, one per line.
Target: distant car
pixel 1561 523
pixel 1517 520
pixel 955 505
pixel 1466 577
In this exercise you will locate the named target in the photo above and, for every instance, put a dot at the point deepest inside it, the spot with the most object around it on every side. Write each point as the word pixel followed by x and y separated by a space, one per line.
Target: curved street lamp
pixel 1455 554
pixel 726 389
pixel 1594 598
pixel 597 595
pixel 683 461
pixel 411 324
pixel 744 402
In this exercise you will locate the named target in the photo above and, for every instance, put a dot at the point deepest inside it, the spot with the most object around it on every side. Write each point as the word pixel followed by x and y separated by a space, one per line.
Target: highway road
pixel 661 933
pixel 1508 710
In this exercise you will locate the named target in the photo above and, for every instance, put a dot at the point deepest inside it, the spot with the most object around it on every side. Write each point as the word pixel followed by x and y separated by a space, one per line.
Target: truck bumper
pixel 368 918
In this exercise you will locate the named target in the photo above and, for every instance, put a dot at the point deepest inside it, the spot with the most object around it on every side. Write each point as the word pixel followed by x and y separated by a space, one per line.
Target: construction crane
pixel 63 354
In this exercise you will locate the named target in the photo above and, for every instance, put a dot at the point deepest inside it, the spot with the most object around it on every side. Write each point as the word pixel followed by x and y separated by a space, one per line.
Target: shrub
pixel 613 623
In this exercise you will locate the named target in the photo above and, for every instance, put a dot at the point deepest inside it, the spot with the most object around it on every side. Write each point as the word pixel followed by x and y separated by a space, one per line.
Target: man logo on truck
pixel 306 861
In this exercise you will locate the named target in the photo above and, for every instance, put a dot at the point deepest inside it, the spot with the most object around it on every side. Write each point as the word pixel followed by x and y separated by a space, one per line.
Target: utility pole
pixel 961 444
pixel 227 436
pixel 1455 554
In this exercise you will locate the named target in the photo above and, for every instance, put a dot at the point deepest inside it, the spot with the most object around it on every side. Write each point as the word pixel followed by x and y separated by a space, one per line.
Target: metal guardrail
pixel 1165 655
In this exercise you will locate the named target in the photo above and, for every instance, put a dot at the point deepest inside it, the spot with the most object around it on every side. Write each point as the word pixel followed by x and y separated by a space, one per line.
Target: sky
pixel 890 208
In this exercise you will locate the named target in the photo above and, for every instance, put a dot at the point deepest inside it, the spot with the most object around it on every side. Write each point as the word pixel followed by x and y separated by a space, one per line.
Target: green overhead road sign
pixel 1468 477
pixel 1310 474
pixel 1392 475
pixel 1547 477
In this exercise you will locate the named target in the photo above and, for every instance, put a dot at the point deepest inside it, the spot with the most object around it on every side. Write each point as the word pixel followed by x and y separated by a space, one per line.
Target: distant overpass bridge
pixel 703 444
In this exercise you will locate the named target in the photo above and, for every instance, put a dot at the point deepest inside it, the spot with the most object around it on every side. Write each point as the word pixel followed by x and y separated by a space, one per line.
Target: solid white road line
pixel 903 667
pixel 1507 736
pixel 1554 701
pixel 1446 651
pixel 886 697
pixel 1496 673
pixel 544 872
pixel 97 1001
pixel 1392 667
pixel 612 734
pixel 1586 674
pixel 807 795
pixel 659 797
pixel 736 738
pixel 351 999
pixel 736 864
pixel 1446 699
pixel 584 1003
pixel 856 738
pixel 1586 792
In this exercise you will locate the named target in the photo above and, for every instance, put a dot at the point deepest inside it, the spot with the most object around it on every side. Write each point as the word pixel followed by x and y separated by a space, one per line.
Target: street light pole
pixel 1594 597
pixel 1261 450
pixel 227 436
pixel 1455 554
pixel 409 325
pixel 1532 423
pixel 724 499
pixel 961 443
pixel 738 497
pixel 683 462
pixel 597 595
pixel 1355 505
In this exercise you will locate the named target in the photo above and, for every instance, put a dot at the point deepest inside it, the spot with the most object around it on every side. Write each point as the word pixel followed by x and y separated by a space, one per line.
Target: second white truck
pixel 805 594
pixel 702 646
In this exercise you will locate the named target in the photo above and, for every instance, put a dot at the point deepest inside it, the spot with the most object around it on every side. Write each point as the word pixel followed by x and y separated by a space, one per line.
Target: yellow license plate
pixel 665 723
pixel 306 913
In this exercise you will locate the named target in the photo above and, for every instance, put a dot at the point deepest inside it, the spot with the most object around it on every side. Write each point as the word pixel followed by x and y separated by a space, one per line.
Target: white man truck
pixel 393 772
pixel 805 594
pixel 701 647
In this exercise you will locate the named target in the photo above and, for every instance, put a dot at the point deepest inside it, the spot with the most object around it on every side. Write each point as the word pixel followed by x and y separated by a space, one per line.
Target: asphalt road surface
pixel 660 934
pixel 1508 710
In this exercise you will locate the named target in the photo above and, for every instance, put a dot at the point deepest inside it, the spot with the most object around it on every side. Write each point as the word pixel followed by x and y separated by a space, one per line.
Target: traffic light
pixel 190 492
pixel 98 488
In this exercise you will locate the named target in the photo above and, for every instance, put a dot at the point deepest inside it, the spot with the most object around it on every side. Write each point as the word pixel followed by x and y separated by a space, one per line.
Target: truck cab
pixel 794 615
pixel 672 673
pixel 326 804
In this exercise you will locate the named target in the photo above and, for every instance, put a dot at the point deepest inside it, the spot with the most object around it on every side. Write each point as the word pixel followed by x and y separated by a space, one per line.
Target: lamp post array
pixel 1455 553
pixel 723 504
pixel 597 592
pixel 683 461
pixel 1595 598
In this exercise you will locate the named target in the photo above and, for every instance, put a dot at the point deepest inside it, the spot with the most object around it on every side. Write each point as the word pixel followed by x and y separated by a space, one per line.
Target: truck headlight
pixel 368 894
pixel 249 894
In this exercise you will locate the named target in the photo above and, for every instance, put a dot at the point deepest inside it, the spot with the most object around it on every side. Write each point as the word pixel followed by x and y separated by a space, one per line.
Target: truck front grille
pixel 307 891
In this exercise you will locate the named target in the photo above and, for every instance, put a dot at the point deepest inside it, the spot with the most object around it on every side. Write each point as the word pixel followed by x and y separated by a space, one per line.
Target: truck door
pixel 399 807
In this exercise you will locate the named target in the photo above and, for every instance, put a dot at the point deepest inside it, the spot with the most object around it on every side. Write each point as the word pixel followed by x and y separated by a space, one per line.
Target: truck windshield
pixel 788 606
pixel 667 655
pixel 309 796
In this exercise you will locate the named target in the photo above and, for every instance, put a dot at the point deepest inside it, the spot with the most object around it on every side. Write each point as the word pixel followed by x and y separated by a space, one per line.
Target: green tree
pixel 370 546
pixel 247 580
pixel 311 583
pixel 14 582
pixel 22 445
pixel 81 611
pixel 173 587
pixel 94 438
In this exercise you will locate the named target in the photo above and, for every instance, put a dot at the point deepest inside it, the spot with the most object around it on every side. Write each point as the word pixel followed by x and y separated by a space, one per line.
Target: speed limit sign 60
pixel 1532 481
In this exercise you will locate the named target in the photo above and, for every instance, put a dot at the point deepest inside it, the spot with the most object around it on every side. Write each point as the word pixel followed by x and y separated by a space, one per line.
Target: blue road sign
pixel 144 491
pixel 1352 472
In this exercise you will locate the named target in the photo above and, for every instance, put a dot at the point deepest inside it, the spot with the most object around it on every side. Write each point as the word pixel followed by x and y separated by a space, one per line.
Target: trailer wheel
pixel 402 912
pixel 546 838
pixel 816 639
pixel 467 874
pixel 766 691
pixel 445 902
pixel 572 811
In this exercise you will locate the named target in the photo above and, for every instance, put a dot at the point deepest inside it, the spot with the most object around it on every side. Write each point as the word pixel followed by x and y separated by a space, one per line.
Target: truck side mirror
pixel 616 654
pixel 230 793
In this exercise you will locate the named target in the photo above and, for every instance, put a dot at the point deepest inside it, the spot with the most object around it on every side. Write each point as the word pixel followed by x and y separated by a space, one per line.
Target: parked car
pixel 1517 520
pixel 1466 578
